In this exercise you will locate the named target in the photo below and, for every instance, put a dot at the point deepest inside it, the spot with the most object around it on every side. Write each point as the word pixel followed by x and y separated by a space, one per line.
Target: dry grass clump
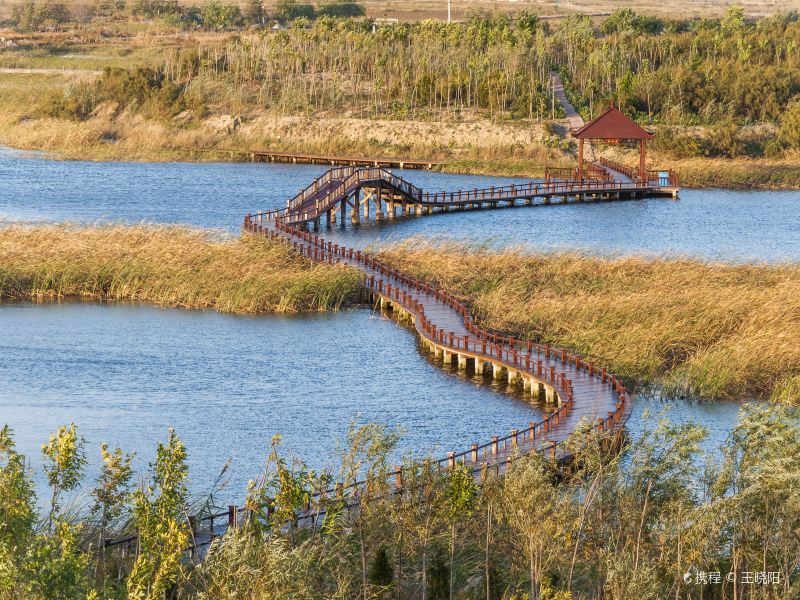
pixel 168 265
pixel 710 330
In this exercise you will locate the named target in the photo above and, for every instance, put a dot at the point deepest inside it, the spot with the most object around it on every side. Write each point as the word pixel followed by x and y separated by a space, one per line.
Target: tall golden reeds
pixel 169 265
pixel 704 329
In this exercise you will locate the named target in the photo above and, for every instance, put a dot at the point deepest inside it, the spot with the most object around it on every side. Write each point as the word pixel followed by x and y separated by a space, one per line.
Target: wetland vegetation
pixel 723 94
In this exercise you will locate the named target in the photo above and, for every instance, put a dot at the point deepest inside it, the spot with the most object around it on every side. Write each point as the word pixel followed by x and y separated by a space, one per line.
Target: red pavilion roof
pixel 612 125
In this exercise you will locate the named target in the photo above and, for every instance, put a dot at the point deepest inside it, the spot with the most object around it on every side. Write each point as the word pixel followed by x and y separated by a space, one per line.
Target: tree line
pixel 662 519
pixel 736 82
pixel 38 15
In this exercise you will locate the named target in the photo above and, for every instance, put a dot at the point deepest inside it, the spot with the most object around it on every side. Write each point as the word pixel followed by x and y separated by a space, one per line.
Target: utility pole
pixel 449 5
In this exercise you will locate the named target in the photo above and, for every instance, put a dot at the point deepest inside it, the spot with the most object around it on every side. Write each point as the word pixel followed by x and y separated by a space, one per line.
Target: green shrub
pixel 790 125
pixel 156 8
pixel 289 10
pixel 35 16
pixel 254 13
pixel 341 8
pixel 217 15
pixel 626 20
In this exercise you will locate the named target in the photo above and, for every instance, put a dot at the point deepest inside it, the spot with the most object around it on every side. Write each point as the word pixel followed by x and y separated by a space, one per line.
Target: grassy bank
pixel 708 330
pixel 171 266
pixel 477 147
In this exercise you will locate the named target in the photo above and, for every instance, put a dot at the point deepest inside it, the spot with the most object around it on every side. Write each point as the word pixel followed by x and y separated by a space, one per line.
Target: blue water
pixel 125 373
pixel 710 224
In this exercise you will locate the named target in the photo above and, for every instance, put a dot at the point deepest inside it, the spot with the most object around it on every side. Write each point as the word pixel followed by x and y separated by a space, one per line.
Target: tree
pixel 733 23
pixel 111 494
pixel 289 10
pixel 160 516
pixel 461 502
pixel 33 16
pixel 790 125
pixel 217 15
pixel 64 459
pixel 17 513
pixel 528 21
pixel 530 508
pixel 341 8
pixel 254 13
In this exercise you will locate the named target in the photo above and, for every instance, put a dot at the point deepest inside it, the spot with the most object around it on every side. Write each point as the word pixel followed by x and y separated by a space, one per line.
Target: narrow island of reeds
pixel 167 265
pixel 694 328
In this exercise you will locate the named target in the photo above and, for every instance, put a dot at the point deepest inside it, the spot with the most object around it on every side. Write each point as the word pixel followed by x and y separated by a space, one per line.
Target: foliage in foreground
pixel 662 519
pixel 697 328
pixel 170 265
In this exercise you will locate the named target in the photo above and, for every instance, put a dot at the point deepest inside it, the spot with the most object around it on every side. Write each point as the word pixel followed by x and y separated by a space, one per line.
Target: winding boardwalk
pixel 575 390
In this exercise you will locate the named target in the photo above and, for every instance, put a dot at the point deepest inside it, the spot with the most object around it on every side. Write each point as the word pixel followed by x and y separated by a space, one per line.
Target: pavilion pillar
pixel 580 160
pixel 642 169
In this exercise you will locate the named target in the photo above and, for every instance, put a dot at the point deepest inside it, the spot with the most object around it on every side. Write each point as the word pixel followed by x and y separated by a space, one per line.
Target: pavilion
pixel 612 126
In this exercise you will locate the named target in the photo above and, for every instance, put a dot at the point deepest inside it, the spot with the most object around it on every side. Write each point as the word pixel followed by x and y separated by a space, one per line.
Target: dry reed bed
pixel 168 265
pixel 709 330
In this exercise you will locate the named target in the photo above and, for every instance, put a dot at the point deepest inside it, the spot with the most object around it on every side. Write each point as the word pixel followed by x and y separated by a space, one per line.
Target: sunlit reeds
pixel 705 329
pixel 169 265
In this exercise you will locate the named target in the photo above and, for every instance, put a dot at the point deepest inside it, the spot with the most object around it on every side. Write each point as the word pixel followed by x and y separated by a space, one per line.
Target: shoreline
pixel 725 174
pixel 728 352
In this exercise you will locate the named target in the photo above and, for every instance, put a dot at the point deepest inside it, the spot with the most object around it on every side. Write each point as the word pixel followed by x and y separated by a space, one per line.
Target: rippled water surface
pixel 719 224
pixel 124 373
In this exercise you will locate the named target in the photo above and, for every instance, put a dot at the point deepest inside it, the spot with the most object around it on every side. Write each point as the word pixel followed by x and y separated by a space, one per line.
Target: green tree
pixel 289 10
pixel 32 16
pixel 217 15
pixel 341 8
pixel 17 514
pixel 254 13
pixel 733 23
pixel 530 508
pixel 790 125
pixel 63 461
pixel 527 20
pixel 160 516
pixel 461 501
pixel 111 494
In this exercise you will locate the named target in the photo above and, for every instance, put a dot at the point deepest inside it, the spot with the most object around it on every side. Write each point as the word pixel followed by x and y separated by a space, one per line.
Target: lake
pixel 710 224
pixel 125 373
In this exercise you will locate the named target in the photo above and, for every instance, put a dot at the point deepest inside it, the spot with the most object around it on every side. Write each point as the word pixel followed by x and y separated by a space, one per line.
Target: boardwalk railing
pixel 654 178
pixel 591 172
pixel 539 363
pixel 339 183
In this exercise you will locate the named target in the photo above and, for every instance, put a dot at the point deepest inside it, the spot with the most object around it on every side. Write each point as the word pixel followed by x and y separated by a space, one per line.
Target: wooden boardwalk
pixel 576 391
pixel 374 192
pixel 302 158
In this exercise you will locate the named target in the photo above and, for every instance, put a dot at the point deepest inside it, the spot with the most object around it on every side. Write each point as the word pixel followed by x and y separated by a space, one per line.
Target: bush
pixel 157 8
pixel 289 10
pixel 341 8
pixel 35 16
pixel 790 125
pixel 221 16
pixel 254 13
pixel 527 20
pixel 626 20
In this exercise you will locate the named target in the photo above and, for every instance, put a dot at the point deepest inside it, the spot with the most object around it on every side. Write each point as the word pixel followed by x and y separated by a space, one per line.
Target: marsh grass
pixel 166 265
pixel 705 329
pixel 691 327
